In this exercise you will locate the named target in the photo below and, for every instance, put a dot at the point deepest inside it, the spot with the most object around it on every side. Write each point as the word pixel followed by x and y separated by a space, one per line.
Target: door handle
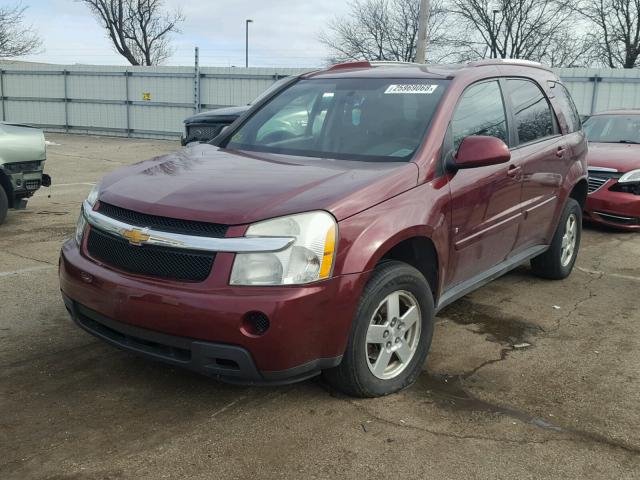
pixel 560 152
pixel 514 170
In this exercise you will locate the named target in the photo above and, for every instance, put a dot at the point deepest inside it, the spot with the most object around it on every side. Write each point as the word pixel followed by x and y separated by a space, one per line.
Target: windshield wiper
pixel 629 141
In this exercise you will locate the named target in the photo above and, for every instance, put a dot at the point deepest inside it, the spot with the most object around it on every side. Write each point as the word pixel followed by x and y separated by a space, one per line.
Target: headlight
pixel 309 258
pixel 92 198
pixel 630 177
pixel 81 225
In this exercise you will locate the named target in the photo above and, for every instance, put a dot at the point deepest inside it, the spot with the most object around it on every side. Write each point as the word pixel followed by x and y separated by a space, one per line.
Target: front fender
pixel 367 236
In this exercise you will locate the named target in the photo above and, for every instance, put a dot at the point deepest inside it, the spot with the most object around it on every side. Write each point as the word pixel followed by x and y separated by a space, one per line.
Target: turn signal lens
pixel 329 250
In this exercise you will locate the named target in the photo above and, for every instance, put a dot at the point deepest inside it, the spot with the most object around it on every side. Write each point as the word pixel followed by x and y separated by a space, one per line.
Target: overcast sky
pixel 284 32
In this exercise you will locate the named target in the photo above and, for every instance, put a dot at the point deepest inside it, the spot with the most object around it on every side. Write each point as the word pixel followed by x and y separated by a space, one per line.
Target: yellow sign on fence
pixel 146 96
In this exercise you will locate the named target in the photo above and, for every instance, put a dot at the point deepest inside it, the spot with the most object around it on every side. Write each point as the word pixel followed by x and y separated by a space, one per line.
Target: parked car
pixel 205 126
pixel 22 157
pixel 614 169
pixel 270 260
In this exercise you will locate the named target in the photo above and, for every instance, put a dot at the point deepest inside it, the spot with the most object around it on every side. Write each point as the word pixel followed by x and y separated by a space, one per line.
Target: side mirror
pixel 480 151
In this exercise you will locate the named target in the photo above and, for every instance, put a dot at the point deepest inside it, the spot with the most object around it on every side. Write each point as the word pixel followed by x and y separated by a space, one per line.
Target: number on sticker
pixel 411 89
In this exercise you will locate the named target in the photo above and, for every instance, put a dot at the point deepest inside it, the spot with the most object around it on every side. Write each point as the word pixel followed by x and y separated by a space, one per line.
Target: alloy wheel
pixel 393 335
pixel 569 240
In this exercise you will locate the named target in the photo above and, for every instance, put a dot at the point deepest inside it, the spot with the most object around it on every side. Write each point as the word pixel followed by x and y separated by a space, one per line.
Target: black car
pixel 205 126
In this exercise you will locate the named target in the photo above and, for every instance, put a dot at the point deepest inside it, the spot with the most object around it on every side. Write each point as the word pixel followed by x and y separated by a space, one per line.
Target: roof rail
pixel 391 63
pixel 507 61
pixel 369 64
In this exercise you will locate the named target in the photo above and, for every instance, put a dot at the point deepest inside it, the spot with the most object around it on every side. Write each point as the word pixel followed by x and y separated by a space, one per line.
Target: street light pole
pixel 494 44
pixel 423 19
pixel 246 42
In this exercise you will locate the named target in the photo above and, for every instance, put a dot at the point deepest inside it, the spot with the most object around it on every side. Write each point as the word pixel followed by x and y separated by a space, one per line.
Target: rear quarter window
pixel 568 108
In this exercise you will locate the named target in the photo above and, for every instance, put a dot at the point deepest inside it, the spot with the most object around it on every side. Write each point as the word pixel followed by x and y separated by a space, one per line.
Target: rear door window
pixel 533 116
pixel 480 111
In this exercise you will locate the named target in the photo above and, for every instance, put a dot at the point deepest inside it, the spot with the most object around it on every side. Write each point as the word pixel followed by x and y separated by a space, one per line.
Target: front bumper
pixel 614 209
pixel 25 184
pixel 200 325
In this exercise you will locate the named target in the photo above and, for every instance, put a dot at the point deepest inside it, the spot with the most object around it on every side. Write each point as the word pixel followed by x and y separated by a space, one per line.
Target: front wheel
pixel 391 334
pixel 557 262
pixel 4 205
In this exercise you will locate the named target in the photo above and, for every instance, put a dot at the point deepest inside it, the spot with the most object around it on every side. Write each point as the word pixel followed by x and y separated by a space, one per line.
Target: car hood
pixel 209 184
pixel 21 143
pixel 621 156
pixel 228 114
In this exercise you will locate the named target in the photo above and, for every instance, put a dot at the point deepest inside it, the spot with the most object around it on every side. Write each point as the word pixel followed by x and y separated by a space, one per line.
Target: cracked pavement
pixel 526 378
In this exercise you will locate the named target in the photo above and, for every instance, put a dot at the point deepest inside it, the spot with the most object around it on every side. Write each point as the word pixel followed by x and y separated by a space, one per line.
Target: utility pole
pixel 246 43
pixel 423 20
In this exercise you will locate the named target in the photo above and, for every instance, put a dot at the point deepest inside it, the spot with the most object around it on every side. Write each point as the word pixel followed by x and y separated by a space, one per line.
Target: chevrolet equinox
pixel 323 230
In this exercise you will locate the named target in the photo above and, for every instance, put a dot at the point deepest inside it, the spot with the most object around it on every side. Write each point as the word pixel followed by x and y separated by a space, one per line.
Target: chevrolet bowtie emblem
pixel 135 236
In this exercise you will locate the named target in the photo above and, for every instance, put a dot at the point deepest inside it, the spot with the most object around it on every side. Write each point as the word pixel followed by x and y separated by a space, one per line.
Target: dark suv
pixel 272 258
pixel 205 126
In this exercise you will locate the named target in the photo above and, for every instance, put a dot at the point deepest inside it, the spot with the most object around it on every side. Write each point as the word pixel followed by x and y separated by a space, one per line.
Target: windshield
pixel 274 86
pixel 375 119
pixel 613 128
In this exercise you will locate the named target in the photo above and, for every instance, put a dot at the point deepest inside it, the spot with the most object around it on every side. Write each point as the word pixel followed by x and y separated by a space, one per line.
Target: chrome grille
pixel 165 224
pixel 203 133
pixel 150 260
pixel 595 183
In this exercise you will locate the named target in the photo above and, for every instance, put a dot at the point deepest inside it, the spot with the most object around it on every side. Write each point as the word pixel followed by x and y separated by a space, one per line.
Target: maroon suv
pixel 325 228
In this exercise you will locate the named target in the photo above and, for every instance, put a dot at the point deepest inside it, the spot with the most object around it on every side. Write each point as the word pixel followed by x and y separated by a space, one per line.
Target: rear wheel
pixel 391 334
pixel 4 205
pixel 557 262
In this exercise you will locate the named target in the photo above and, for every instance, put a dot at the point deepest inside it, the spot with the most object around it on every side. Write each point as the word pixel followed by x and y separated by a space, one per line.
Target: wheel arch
pixel 579 192
pixel 419 252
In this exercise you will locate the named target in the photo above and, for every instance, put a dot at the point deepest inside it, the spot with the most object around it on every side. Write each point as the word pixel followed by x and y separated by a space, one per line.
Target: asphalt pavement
pixel 526 379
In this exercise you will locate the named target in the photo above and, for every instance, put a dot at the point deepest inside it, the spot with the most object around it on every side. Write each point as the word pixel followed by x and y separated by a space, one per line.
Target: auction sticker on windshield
pixel 411 89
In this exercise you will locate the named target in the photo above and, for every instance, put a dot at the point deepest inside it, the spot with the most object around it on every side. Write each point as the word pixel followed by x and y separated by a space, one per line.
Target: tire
pixel 4 205
pixel 355 375
pixel 554 263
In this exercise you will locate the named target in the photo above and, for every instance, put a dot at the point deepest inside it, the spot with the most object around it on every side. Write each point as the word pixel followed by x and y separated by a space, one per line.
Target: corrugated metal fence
pixel 153 101
pixel 596 90
pixel 126 101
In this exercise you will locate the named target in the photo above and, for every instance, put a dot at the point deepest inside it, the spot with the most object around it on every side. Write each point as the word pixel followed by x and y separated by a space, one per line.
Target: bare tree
pixel 571 49
pixel 525 29
pixel 16 38
pixel 382 30
pixel 617 35
pixel 139 29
